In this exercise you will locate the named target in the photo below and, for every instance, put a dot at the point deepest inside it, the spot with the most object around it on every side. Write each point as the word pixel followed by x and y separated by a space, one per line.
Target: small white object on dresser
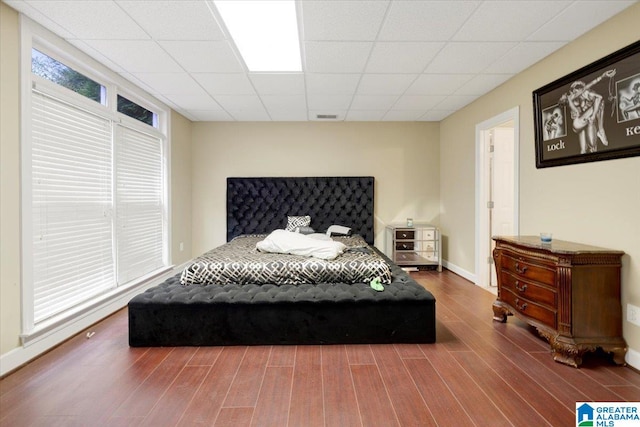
pixel 416 246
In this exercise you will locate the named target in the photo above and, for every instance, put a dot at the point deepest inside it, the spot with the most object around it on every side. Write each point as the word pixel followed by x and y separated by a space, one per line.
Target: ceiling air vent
pixel 326 116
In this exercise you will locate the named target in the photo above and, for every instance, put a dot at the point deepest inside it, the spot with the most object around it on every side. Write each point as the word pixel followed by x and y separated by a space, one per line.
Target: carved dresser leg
pixel 500 313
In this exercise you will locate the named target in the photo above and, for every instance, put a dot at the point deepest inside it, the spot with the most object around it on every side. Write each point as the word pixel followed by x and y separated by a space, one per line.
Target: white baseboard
pixel 19 356
pixel 459 271
pixel 633 358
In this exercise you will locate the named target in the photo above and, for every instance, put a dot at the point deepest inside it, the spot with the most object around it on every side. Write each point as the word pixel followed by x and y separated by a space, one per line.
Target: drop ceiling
pixel 375 60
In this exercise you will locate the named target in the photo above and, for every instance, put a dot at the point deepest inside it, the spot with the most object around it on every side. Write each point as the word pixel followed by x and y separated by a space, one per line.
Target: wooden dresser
pixel 568 291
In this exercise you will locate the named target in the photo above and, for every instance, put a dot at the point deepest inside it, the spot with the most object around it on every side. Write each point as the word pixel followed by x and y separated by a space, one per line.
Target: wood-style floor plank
pixel 274 398
pixel 207 399
pixel 340 403
pixel 373 397
pixel 479 372
pixel 307 396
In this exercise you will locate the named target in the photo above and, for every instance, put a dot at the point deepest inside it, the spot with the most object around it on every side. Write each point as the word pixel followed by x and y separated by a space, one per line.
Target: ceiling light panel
pixel 265 33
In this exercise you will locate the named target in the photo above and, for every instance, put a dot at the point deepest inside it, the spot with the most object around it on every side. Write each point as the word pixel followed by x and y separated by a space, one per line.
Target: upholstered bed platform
pixel 202 315
pixel 172 314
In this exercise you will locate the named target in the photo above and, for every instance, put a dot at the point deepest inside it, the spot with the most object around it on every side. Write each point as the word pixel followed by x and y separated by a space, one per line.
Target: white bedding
pixel 310 245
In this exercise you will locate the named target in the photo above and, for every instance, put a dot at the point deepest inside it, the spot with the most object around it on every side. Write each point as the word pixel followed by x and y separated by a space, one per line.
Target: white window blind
pixel 71 204
pixel 139 203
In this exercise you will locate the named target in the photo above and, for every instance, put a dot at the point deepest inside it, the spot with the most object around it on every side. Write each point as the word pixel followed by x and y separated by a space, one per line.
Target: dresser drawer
pixel 529 308
pixel 527 289
pixel 405 234
pixel 530 270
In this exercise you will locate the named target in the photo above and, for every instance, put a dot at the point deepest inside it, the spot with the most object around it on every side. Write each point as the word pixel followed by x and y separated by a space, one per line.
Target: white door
pixel 496 188
pixel 502 183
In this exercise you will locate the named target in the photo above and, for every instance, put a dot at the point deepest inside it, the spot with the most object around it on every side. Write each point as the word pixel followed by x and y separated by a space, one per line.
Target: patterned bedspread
pixel 239 262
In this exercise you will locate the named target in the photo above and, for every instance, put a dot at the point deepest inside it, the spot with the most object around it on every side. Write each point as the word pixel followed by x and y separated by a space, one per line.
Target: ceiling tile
pixel 425 20
pixel 287 115
pixel 509 20
pixel 436 115
pixel 250 115
pixel 418 102
pixel 373 102
pixel 240 102
pixel 225 83
pixel 328 102
pixel 365 116
pixel 136 56
pixel 204 56
pixel 91 20
pixel 402 115
pixel 467 57
pixel 481 84
pixel 278 83
pixel 211 116
pixel 342 20
pixel 523 56
pixel 336 57
pixel 438 84
pixel 35 14
pixel 170 83
pixel 284 102
pixel 577 19
pixel 174 20
pixel 338 84
pixel 201 101
pixel 455 102
pixel 385 84
pixel 405 57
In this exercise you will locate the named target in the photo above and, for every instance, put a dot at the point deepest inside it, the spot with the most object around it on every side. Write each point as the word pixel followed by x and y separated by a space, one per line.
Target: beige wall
pixel 10 314
pixel 180 188
pixel 403 158
pixel 596 203
pixel 180 181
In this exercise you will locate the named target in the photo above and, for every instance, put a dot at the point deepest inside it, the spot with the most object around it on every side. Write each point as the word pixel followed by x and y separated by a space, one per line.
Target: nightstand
pixel 418 246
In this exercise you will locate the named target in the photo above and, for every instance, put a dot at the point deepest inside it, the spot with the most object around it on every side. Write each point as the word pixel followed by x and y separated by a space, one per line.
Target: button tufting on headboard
pixel 262 204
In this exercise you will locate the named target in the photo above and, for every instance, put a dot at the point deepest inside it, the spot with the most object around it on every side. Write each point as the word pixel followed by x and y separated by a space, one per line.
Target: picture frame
pixel 591 114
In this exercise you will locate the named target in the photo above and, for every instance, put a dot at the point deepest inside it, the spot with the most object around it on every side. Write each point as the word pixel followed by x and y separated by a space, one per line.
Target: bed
pixel 185 312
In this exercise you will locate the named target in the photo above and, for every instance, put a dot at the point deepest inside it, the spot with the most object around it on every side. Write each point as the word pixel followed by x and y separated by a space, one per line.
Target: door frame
pixel 482 190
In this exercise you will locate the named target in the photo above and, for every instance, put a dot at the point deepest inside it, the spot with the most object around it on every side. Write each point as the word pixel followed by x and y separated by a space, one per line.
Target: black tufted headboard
pixel 261 205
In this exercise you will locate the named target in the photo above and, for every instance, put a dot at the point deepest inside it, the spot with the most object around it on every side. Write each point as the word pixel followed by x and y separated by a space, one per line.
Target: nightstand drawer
pixel 529 308
pixel 428 234
pixel 529 270
pixel 405 234
pixel 405 246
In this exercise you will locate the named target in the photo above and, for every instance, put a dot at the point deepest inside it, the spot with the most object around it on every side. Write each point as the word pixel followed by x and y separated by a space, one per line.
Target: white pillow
pixel 287 242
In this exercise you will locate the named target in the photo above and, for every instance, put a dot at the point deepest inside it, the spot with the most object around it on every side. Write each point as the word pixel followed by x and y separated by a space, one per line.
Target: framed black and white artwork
pixel 591 114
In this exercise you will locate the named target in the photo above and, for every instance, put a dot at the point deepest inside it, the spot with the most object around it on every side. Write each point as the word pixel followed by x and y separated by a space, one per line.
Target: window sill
pixel 97 308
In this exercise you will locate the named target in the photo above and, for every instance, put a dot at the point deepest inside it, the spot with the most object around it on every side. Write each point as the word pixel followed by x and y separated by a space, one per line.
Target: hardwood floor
pixel 478 373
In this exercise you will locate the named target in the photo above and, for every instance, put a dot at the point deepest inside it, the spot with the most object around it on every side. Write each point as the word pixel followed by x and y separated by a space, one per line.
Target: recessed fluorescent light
pixel 265 32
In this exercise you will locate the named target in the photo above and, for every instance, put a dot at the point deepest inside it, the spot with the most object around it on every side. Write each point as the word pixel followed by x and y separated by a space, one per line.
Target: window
pixel 136 111
pixel 44 66
pixel 95 190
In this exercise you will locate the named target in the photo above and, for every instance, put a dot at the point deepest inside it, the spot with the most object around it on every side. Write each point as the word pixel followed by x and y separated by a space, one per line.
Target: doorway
pixel 497 172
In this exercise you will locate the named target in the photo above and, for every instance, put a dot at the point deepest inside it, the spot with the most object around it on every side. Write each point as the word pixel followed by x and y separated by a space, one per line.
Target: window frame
pixel 34 36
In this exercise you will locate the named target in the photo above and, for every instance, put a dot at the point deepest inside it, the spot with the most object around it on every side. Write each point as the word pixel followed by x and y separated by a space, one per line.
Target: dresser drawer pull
pixel 522 307
pixel 520 287
pixel 519 269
